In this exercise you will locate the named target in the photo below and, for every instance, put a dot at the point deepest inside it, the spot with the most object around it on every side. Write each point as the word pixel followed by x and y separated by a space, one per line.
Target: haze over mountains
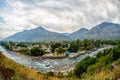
pixel 105 30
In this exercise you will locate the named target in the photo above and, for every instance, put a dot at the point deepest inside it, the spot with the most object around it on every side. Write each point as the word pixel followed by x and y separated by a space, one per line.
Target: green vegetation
pixel 83 65
pixel 102 66
pixel 106 62
pixel 60 50
pixel 40 48
pixel 35 51
pixel 50 73
pixel 73 47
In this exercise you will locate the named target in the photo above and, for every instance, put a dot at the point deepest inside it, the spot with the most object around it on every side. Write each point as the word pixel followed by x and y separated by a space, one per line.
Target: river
pixel 47 64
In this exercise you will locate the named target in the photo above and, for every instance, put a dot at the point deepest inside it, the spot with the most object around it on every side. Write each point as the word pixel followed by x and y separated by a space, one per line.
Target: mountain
pixel 35 35
pixel 79 33
pixel 66 34
pixel 105 30
pixel 1 39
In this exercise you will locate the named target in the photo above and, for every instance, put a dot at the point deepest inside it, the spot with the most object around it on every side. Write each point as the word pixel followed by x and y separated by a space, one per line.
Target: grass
pixel 9 70
pixel 59 54
pixel 116 73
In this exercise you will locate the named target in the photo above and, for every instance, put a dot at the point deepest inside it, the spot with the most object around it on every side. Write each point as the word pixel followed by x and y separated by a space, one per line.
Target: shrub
pixel 50 73
pixel 35 51
pixel 82 66
pixel 70 74
pixel 60 75
pixel 91 69
pixel 116 73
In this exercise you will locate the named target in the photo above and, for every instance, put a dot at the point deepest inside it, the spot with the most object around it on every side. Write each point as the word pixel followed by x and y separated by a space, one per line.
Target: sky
pixel 55 15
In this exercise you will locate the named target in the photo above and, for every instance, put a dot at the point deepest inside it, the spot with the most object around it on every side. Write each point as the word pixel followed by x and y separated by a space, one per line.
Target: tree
pixel 60 50
pixel 73 47
pixel 35 51
pixel 116 53
pixel 54 46
pixel 82 66
pixel 21 44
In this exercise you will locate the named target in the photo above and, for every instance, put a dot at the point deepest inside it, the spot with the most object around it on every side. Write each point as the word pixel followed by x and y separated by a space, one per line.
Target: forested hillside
pixel 104 66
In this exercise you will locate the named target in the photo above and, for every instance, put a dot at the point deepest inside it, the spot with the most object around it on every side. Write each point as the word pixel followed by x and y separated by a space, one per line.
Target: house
pixel 36 45
pixel 47 51
pixel 43 47
pixel 67 53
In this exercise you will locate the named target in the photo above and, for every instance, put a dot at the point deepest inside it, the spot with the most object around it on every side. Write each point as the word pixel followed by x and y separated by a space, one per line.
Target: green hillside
pixel 104 66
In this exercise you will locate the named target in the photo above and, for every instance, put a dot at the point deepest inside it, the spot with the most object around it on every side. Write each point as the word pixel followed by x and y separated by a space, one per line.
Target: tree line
pixel 58 47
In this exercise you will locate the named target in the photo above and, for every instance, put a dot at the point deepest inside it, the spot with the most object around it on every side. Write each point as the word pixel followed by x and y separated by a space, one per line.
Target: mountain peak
pixel 77 34
pixel 104 30
pixel 107 24
pixel 36 35
pixel 104 25
pixel 83 29
pixel 39 27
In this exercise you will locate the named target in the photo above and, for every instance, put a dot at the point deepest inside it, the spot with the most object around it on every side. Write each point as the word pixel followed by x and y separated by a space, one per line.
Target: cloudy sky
pixel 55 15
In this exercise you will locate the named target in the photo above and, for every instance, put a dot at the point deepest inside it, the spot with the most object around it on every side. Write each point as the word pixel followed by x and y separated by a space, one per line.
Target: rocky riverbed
pixel 56 65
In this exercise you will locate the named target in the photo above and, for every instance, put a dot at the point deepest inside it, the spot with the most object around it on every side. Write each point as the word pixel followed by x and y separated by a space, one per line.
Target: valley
pixel 104 30
pixel 55 65
pixel 59 39
pixel 73 68
pixel 67 56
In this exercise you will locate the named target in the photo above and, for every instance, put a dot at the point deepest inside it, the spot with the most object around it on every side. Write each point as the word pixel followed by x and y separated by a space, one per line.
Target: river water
pixel 47 64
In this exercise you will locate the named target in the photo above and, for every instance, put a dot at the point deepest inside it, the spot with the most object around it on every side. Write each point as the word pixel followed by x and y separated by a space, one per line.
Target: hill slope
pixel 79 33
pixel 105 65
pixel 10 70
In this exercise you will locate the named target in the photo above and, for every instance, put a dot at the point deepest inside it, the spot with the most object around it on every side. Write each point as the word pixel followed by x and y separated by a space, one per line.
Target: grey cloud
pixel 66 15
pixel 93 12
pixel 2 20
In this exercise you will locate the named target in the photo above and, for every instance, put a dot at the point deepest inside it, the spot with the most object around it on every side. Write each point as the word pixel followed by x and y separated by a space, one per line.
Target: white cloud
pixel 57 15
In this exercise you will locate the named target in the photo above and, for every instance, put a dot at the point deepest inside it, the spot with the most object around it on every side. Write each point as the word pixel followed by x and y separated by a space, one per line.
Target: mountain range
pixel 104 30
pixel 37 34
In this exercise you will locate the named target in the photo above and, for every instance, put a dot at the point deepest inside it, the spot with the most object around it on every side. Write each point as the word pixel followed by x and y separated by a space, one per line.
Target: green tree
pixel 91 69
pixel 60 50
pixel 73 47
pixel 36 51
pixel 82 66
pixel 54 46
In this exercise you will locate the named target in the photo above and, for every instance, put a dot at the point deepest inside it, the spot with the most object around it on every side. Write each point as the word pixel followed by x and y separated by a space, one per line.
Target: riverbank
pixel 56 65
pixel 10 70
